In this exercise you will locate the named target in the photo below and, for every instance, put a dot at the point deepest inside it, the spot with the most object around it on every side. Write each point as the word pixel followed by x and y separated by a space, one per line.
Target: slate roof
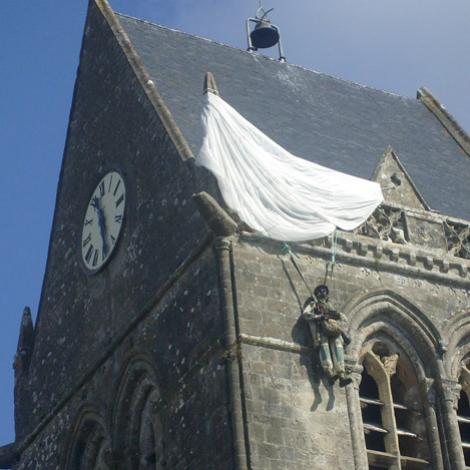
pixel 332 122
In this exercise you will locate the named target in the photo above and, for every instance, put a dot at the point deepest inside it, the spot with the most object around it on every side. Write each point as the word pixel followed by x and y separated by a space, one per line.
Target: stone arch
pixel 386 317
pixel 89 446
pixel 380 331
pixel 457 334
pixel 137 427
pixel 387 312
pixel 457 364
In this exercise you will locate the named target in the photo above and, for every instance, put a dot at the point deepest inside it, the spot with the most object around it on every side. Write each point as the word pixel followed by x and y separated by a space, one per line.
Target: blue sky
pixel 394 45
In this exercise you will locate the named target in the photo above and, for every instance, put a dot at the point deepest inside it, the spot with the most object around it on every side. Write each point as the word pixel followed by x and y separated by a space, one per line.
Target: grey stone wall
pixel 113 126
pixel 180 338
pixel 295 419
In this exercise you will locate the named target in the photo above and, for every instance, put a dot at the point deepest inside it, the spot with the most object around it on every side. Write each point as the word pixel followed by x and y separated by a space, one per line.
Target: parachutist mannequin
pixel 327 333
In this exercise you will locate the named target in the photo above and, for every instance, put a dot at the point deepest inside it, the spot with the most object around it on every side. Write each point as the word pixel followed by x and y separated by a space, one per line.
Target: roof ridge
pixel 261 56
pixel 145 80
pixel 445 118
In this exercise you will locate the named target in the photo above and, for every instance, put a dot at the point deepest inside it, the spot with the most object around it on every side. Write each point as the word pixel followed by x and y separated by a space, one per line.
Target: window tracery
pixel 91 445
pixel 458 238
pixel 392 410
pixel 463 413
pixel 386 223
pixel 140 430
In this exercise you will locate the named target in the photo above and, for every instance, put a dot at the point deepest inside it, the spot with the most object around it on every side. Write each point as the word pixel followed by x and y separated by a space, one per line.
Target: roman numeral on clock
pixel 116 188
pixel 118 218
pixel 119 201
pixel 102 189
pixel 86 240
pixel 95 257
pixel 89 253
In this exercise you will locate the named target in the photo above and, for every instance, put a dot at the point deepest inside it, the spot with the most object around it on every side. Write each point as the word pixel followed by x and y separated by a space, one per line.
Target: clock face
pixel 103 221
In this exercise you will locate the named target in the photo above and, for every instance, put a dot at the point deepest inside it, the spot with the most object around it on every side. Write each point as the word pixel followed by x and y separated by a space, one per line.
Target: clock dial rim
pixel 89 268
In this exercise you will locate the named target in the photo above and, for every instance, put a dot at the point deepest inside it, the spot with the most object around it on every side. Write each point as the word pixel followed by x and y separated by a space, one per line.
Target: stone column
pixel 432 425
pixel 450 397
pixel 355 417
pixel 223 250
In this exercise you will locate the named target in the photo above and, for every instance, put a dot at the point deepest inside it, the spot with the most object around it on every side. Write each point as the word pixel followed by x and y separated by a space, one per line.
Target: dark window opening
pixel 371 414
pixel 398 390
pixel 464 432
pixel 464 405
pixel 371 405
pixel 408 446
pixel 466 455
pixel 375 441
pixel 463 417
pixel 368 387
pixel 402 417
pixel 393 418
pixel 410 422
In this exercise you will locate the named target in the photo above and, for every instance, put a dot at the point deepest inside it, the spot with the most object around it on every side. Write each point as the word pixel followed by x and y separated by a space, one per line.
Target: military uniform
pixel 326 328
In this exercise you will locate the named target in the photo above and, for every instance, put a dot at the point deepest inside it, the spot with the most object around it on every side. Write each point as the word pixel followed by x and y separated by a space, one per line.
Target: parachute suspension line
pixel 334 247
pixel 330 265
pixel 287 250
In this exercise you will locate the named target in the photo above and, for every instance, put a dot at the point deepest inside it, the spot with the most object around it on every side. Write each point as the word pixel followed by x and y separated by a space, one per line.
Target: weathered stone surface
pixel 180 338
pixel 81 315
pixel 7 456
pixel 397 186
pixel 290 409
pixel 216 218
pixel 84 318
pixel 291 415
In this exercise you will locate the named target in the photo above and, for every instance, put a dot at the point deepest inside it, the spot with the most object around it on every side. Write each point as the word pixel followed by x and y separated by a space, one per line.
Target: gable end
pixel 397 186
pixel 144 78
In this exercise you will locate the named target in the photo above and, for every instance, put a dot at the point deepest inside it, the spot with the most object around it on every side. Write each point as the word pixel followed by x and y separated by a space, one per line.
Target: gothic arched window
pixel 91 447
pixel 371 410
pixel 392 410
pixel 137 425
pixel 463 414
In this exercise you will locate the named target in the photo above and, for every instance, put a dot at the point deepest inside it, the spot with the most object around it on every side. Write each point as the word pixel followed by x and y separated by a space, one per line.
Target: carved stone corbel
pixel 390 364
pixel 354 370
pixel 218 220
pixel 451 392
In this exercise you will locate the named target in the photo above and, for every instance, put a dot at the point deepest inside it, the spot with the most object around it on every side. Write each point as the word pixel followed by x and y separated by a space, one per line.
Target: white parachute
pixel 276 193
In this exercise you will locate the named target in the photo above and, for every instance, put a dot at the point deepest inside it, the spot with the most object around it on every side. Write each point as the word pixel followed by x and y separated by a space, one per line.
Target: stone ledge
pixel 377 254
pixel 274 343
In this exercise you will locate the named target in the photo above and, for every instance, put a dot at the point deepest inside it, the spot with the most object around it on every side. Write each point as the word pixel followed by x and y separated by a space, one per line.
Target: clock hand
pixel 95 203
pixel 103 232
pixel 101 223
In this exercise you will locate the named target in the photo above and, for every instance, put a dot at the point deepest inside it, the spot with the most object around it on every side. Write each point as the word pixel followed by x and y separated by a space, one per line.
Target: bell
pixel 264 35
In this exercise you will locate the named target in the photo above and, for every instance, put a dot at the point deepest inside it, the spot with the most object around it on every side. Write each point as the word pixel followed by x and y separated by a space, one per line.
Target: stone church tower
pixel 170 336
